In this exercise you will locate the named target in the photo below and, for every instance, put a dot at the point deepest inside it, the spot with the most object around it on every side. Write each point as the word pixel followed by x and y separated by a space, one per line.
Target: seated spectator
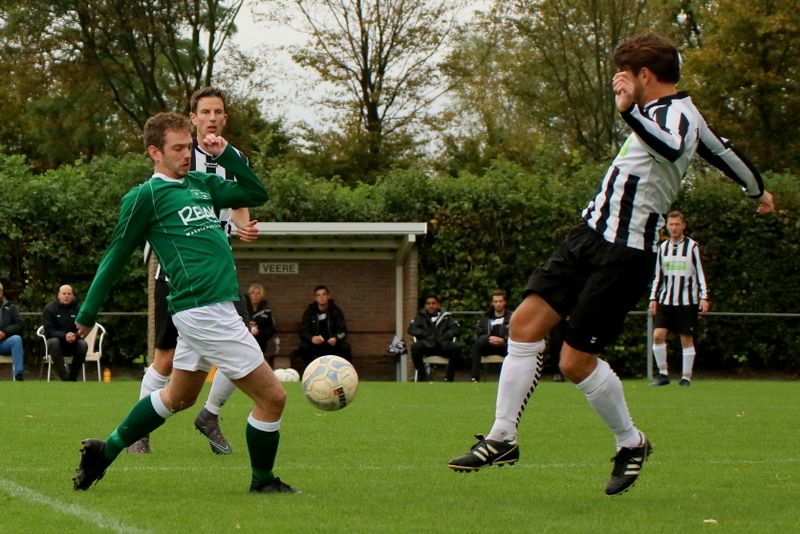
pixel 434 331
pixel 61 332
pixel 491 333
pixel 11 335
pixel 323 331
pixel 255 311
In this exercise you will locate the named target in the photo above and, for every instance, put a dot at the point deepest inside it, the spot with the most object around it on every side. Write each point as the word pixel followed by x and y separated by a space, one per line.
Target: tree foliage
pixel 746 75
pixel 381 58
pixel 85 76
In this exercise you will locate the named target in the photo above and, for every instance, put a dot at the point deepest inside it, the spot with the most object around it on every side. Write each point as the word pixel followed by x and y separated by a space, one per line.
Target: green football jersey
pixel 178 219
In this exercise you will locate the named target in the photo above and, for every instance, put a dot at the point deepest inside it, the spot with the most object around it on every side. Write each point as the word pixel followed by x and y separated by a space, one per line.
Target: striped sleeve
pixel 664 136
pixel 657 276
pixel 719 152
pixel 698 269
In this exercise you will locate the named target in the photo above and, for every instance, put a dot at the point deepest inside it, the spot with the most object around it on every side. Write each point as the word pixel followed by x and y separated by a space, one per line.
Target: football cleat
pixel 660 380
pixel 93 464
pixel 208 425
pixel 276 485
pixel 685 382
pixel 141 446
pixel 627 465
pixel 485 453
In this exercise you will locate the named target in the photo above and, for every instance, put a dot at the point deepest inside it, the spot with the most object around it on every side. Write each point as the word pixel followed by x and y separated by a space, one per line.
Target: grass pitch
pixel 726 459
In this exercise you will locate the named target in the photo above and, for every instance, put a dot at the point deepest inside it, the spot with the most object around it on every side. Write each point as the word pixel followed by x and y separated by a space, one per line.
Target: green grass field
pixel 726 459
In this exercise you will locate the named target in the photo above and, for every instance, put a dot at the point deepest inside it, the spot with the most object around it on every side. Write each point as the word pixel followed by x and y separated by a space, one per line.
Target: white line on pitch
pixel 90 516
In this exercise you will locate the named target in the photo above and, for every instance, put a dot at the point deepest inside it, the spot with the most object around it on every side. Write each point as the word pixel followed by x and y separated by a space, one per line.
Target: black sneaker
pixel 660 380
pixel 141 446
pixel 93 464
pixel 276 485
pixel 20 377
pixel 627 466
pixel 685 382
pixel 208 425
pixel 485 453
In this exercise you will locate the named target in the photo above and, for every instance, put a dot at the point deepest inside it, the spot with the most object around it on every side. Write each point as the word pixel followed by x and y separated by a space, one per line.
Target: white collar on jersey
pixel 167 178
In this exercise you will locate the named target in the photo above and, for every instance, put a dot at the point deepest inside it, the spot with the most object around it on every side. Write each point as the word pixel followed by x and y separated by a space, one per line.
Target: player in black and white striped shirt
pixel 679 291
pixel 601 269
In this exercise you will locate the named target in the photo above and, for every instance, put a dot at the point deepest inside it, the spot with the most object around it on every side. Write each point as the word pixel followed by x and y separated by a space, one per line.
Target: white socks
pixel 660 354
pixel 603 390
pixel 221 390
pixel 152 381
pixel 519 377
pixel 688 362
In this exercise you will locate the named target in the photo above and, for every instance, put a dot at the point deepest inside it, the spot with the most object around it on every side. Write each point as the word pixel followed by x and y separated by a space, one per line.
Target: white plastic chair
pixel 9 360
pixel 93 354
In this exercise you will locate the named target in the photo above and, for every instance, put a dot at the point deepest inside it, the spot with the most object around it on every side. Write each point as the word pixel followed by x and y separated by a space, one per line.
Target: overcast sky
pixel 292 89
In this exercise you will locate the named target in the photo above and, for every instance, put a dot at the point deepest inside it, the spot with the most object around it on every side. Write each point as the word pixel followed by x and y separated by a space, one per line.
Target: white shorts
pixel 215 334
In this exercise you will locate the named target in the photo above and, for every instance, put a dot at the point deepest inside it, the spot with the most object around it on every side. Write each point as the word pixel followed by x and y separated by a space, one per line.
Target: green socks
pixel 262 443
pixel 142 419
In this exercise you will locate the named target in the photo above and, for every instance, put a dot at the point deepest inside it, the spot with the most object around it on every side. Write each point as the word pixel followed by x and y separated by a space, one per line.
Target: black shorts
pixel 679 319
pixel 593 284
pixel 166 333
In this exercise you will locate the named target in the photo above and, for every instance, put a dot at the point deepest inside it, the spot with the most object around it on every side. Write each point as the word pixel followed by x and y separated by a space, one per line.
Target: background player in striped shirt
pixel 679 292
pixel 603 266
pixel 208 116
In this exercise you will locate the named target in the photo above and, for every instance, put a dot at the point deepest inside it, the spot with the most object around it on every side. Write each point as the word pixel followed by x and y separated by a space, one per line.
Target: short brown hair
pixel 650 50
pixel 499 293
pixel 155 129
pixel 676 215
pixel 204 92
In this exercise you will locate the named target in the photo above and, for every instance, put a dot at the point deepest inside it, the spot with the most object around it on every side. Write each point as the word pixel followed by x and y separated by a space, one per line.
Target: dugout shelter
pixel 370 268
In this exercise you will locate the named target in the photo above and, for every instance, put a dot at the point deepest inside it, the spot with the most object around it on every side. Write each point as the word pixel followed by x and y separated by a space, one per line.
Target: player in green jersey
pixel 175 212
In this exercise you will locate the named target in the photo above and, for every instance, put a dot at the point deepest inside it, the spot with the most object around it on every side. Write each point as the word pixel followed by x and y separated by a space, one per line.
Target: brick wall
pixel 363 289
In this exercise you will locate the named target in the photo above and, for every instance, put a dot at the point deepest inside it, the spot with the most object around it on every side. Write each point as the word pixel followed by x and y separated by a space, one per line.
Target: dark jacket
pixel 483 327
pixel 262 316
pixel 58 319
pixel 337 327
pixel 433 332
pixel 10 321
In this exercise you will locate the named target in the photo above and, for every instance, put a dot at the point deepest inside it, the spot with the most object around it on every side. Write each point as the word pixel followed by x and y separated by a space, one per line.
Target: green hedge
pixel 484 232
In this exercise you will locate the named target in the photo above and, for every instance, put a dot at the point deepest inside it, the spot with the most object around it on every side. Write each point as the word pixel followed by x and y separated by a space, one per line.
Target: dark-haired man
pixel 435 331
pixel 491 333
pixel 603 266
pixel 323 330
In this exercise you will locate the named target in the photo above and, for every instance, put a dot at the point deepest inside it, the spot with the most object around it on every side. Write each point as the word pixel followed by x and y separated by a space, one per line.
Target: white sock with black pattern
pixel 519 377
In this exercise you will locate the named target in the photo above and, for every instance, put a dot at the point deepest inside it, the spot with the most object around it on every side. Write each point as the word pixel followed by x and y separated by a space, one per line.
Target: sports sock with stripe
pixel 262 444
pixel 147 415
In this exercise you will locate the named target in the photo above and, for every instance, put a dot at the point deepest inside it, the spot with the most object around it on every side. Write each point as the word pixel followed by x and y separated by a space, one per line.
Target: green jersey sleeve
pixel 134 214
pixel 246 191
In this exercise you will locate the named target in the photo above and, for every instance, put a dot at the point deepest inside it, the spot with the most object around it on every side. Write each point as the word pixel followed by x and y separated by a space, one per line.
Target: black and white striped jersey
pixel 205 162
pixel 679 278
pixel 644 178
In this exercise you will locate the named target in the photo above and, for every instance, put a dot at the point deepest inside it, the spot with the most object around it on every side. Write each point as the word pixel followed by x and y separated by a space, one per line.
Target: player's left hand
pixel 83 331
pixel 248 232
pixel 213 144
pixel 765 204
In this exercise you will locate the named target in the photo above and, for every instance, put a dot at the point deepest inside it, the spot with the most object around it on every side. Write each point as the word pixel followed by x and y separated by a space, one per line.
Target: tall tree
pixel 746 75
pixel 381 55
pixel 106 64
pixel 548 65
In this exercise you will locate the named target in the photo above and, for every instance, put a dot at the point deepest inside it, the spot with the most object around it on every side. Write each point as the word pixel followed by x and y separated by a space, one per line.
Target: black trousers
pixel 448 349
pixel 308 352
pixel 58 348
pixel 482 347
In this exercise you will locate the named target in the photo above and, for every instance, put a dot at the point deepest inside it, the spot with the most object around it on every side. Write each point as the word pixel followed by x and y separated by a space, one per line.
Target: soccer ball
pixel 291 375
pixel 330 383
pixel 287 375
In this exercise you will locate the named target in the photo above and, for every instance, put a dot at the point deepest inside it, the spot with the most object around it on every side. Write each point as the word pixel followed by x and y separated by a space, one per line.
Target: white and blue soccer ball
pixel 330 383
pixel 287 375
